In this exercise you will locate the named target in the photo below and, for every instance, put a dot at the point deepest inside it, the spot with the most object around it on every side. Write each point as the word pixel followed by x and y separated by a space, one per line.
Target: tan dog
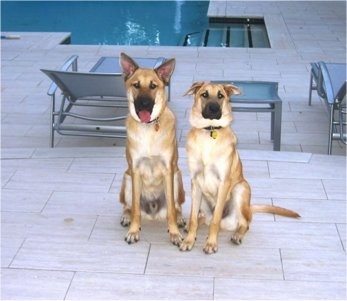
pixel 220 194
pixel 152 185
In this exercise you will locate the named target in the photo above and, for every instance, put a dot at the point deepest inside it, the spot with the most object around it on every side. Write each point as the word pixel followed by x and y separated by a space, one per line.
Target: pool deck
pixel 60 232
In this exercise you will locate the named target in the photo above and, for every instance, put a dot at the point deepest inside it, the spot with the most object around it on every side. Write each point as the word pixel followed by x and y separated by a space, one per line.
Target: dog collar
pixel 213 132
pixel 156 124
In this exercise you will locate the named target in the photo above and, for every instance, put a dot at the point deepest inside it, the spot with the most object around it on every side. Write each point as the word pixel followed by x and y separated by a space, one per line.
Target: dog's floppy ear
pixel 194 88
pixel 165 70
pixel 128 65
pixel 231 89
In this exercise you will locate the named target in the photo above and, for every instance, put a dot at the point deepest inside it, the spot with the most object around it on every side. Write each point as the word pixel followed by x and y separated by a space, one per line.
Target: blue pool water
pixel 162 23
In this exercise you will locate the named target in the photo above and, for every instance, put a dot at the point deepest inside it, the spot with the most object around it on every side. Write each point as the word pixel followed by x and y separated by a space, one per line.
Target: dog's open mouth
pixel 144 106
pixel 144 116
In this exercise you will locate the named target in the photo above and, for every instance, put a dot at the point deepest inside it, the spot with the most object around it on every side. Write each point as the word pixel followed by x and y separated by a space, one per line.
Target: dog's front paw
pixel 176 238
pixel 187 244
pixel 210 247
pixel 132 237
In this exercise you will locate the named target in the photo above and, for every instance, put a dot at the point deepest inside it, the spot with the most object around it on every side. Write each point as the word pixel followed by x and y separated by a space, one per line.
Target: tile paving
pixel 65 235
pixel 60 232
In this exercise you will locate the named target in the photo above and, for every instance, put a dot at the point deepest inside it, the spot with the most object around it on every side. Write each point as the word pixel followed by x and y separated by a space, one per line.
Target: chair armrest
pixel 340 96
pixel 326 83
pixel 334 81
pixel 69 63
pixel 315 71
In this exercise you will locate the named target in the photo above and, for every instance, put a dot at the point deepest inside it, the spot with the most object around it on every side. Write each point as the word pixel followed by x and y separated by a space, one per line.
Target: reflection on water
pixel 134 34
pixel 177 25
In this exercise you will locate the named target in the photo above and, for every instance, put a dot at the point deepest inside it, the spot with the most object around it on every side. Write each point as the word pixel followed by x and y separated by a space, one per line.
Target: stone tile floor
pixel 60 235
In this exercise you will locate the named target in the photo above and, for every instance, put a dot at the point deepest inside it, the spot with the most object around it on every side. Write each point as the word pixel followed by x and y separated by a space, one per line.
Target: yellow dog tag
pixel 214 134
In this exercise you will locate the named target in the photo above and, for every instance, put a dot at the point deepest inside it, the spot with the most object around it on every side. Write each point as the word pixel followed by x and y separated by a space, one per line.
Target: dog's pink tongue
pixel 144 116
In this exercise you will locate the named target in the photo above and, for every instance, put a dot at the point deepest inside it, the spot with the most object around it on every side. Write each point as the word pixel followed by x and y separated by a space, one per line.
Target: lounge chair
pixel 93 103
pixel 329 80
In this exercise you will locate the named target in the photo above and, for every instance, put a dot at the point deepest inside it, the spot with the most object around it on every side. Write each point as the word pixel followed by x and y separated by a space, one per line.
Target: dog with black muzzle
pixel 221 196
pixel 152 185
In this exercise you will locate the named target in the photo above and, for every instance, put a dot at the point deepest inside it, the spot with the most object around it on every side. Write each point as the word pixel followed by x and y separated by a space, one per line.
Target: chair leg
pixel 342 123
pixel 277 125
pixel 331 129
pixel 272 124
pixel 52 136
pixel 310 91
pixel 52 121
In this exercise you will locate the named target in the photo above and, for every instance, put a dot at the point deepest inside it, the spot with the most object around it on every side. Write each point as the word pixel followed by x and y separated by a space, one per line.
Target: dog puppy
pixel 152 185
pixel 220 194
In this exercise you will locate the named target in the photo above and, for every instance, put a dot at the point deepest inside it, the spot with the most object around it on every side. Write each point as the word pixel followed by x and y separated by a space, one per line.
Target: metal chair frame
pixel 87 89
pixel 321 81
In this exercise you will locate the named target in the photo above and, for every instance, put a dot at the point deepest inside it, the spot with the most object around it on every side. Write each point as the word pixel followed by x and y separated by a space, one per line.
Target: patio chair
pixel 81 91
pixel 329 79
pixel 86 94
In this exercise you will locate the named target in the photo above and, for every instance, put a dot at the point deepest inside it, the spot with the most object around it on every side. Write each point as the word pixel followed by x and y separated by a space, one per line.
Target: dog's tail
pixel 274 210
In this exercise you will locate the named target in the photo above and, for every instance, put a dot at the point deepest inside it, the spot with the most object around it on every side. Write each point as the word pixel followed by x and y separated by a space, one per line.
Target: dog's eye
pixel 152 86
pixel 205 94
pixel 136 85
pixel 220 95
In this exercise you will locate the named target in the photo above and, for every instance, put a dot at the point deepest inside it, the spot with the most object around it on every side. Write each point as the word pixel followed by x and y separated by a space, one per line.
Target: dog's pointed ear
pixel 194 88
pixel 231 89
pixel 128 65
pixel 165 70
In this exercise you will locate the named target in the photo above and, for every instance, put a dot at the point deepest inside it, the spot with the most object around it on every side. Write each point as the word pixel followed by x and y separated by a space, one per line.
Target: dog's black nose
pixel 212 111
pixel 144 103
pixel 214 107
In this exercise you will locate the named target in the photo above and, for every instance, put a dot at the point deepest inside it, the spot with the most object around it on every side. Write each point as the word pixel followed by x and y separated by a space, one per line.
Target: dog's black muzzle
pixel 212 110
pixel 143 103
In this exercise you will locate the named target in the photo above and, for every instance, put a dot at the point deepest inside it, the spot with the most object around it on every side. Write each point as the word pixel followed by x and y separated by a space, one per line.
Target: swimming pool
pixel 162 23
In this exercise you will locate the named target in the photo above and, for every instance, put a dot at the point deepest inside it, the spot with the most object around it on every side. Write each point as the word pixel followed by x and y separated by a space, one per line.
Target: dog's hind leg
pixel 242 213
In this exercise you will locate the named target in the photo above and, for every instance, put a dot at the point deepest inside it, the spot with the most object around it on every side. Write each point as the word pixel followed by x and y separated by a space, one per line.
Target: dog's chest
pixel 208 179
pixel 150 154
pixel 152 171
pixel 152 145
pixel 208 164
